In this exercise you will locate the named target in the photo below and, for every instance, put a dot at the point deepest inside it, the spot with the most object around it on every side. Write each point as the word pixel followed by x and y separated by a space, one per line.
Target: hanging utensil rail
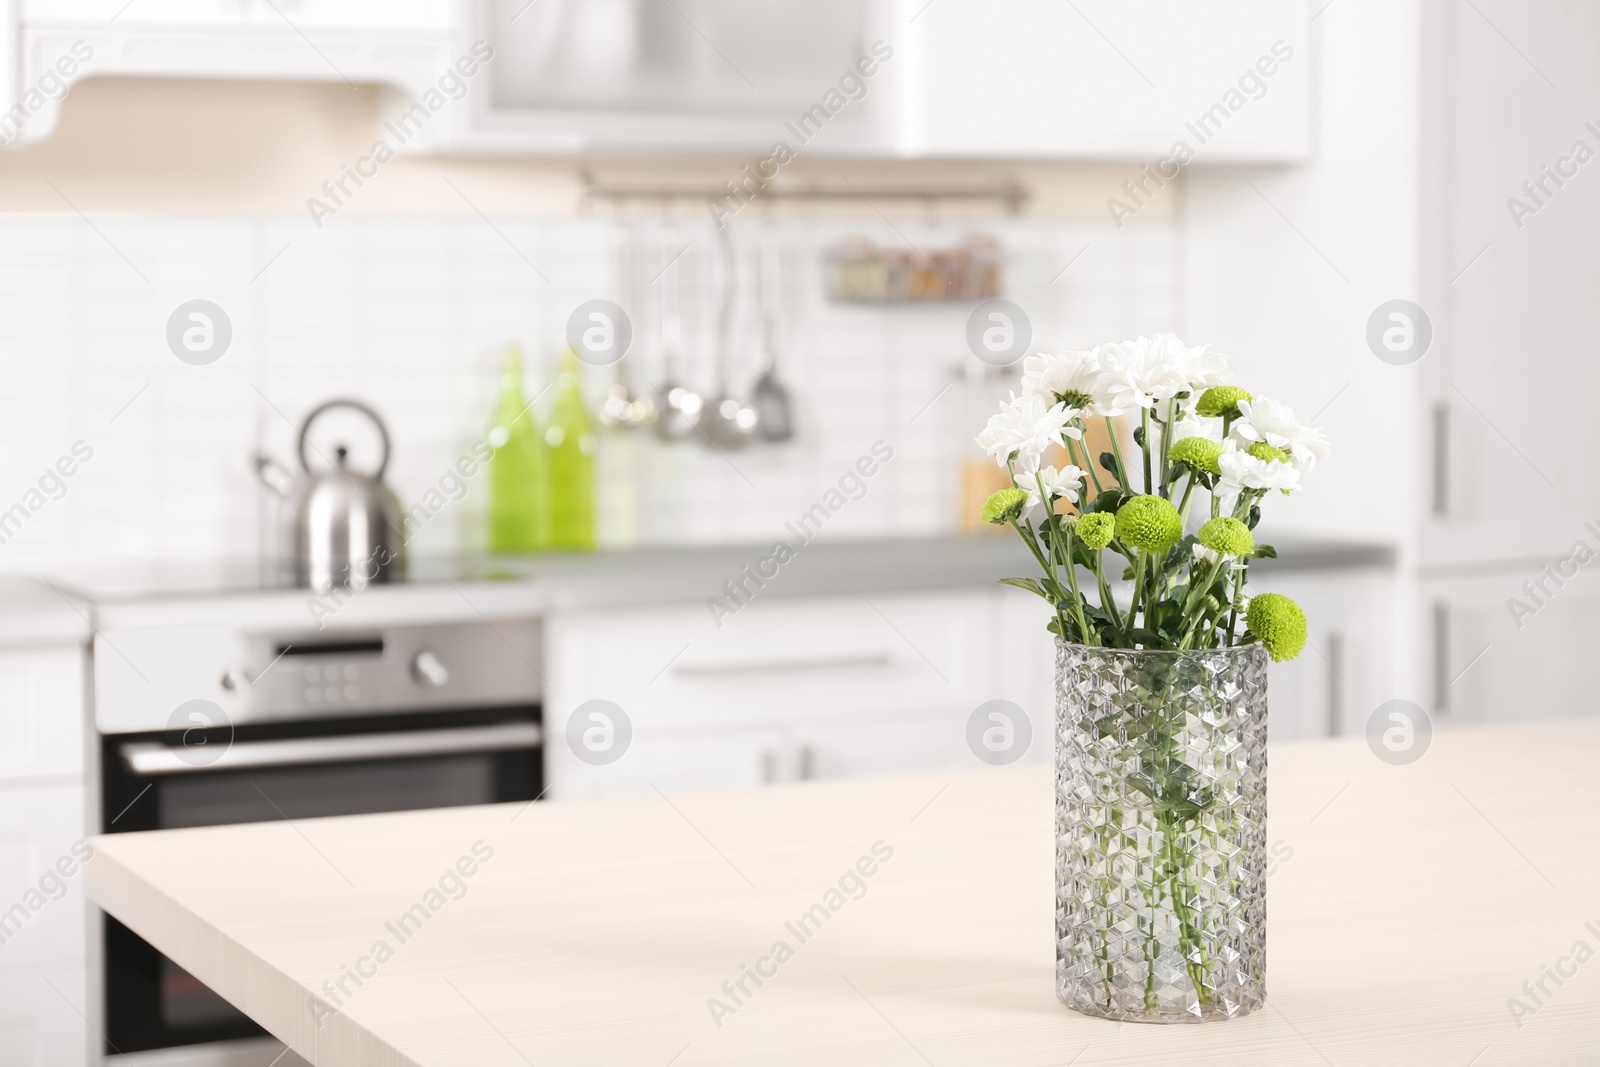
pixel 1012 195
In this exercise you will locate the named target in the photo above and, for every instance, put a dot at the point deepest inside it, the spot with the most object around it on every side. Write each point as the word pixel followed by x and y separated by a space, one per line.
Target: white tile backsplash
pixel 412 313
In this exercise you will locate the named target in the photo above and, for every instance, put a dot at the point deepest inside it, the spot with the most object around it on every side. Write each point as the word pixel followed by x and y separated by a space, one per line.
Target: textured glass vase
pixel 1161 821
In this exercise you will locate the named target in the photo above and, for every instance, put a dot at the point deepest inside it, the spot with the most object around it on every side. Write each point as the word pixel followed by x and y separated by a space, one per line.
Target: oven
pixel 295 726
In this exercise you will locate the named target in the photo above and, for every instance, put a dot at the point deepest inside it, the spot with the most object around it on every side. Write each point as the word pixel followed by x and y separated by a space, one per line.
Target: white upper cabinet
pixel 1106 79
pixel 771 80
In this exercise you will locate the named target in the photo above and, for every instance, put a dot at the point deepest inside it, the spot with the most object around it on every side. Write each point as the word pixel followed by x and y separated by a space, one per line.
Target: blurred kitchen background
pixel 537 155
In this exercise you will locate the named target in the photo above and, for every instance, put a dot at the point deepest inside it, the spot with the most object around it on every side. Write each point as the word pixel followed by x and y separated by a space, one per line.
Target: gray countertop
pixel 441 589
pixel 34 613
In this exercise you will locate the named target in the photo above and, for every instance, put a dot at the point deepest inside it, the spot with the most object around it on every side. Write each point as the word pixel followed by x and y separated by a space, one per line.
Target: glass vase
pixel 1161 822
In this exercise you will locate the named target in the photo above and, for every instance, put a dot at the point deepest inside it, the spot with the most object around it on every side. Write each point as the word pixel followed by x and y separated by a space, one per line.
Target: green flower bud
pixel 1221 400
pixel 1004 506
pixel 1279 623
pixel 1150 523
pixel 1097 528
pixel 1198 453
pixel 1227 536
pixel 1270 453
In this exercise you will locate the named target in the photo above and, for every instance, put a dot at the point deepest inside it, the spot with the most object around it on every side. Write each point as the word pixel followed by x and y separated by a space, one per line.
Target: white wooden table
pixel 1407 906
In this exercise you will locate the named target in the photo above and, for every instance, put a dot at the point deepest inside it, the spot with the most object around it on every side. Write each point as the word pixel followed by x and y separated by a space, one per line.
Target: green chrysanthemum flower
pixel 1004 506
pixel 1097 529
pixel 1227 536
pixel 1198 453
pixel 1279 623
pixel 1221 400
pixel 1269 453
pixel 1150 523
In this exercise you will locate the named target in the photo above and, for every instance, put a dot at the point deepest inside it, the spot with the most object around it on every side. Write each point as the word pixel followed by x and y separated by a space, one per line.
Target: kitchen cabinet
pixel 1501 655
pixel 405 45
pixel 44 918
pixel 841 687
pixel 42 1018
pixel 1348 666
pixel 811 687
pixel 1010 79
pixel 1508 287
pixel 41 714
pixel 1100 79
pixel 1503 275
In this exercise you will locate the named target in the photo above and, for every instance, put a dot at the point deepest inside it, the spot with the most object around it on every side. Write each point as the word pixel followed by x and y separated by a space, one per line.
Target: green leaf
pixel 1108 461
pixel 1109 500
pixel 1138 436
pixel 1032 585
pixel 1255 516
pixel 1264 552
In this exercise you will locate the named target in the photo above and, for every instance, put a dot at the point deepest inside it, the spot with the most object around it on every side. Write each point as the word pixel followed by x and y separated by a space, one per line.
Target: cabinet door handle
pixel 1335 684
pixel 1441 657
pixel 808 763
pixel 769 767
pixel 872 661
pixel 1441 460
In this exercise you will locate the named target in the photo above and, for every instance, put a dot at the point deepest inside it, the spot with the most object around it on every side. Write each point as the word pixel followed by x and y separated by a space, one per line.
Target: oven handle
pixel 148 759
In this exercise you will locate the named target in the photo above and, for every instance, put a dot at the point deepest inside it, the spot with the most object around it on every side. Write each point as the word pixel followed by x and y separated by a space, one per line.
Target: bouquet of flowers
pixel 1202 442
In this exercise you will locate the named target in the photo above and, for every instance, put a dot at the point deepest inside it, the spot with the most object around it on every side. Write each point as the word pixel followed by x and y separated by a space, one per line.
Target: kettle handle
pixel 356 405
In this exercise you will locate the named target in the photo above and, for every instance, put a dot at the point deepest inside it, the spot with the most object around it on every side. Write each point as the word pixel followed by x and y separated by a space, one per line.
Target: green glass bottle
pixel 519 481
pixel 570 447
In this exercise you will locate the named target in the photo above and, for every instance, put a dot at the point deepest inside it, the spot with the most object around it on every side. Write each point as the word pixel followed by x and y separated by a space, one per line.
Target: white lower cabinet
pixel 43 1017
pixel 1348 667
pixel 1512 643
pixel 841 687
pixel 43 911
pixel 817 687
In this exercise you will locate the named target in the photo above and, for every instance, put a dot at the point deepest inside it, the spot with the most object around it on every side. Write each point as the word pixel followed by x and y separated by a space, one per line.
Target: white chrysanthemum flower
pixel 1203 367
pixel 1067 377
pixel 1025 427
pixel 1138 373
pixel 1192 425
pixel 1241 470
pixel 1202 554
pixel 1272 422
pixel 1065 482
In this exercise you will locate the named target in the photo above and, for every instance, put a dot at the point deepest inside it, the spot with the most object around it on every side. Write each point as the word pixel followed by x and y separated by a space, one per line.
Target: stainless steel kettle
pixel 348 529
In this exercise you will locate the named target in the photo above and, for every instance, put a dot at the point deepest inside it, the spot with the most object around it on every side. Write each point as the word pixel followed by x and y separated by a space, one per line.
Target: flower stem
pixel 1088 460
pixel 1108 603
pixel 1166 443
pixel 1138 587
pixel 1116 453
pixel 1233 603
pixel 1144 424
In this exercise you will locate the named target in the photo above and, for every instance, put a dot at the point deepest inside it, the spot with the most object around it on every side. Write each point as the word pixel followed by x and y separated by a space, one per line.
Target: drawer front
pixel 774 663
pixel 42 713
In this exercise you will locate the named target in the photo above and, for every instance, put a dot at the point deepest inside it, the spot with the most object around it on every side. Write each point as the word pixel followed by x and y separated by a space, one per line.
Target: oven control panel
pixel 143 676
